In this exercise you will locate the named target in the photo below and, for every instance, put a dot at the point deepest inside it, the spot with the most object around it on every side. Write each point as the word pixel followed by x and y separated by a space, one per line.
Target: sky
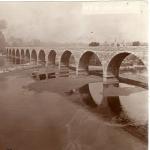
pixel 76 21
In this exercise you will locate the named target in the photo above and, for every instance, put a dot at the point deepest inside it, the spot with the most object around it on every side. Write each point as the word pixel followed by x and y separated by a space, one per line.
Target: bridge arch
pixel 22 56
pixel 17 56
pixel 27 55
pixel 114 67
pixel 66 56
pixel 68 62
pixel 22 53
pixel 6 50
pixel 90 63
pixel 13 52
pixel 9 52
pixel 41 57
pixel 17 53
pixel 115 62
pixel 34 56
pixel 52 57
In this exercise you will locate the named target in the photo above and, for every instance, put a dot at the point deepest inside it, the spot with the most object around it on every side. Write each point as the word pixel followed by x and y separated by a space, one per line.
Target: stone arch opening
pixel 17 56
pixel 90 63
pixel 9 58
pixel 72 62
pixel 27 56
pixel 13 59
pixel 17 53
pixel 127 68
pixel 22 56
pixel 124 63
pixel 52 57
pixel 68 63
pixel 41 57
pixel 22 53
pixel 13 52
pixel 34 56
pixel 9 52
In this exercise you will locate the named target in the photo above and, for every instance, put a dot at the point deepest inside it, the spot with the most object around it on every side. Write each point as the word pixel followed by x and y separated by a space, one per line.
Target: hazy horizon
pixel 75 22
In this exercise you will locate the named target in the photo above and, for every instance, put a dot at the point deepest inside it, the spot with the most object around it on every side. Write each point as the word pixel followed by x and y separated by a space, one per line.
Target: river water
pixel 46 120
pixel 134 103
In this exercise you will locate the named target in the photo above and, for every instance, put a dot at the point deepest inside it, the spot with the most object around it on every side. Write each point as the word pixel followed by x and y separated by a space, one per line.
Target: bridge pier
pixel 59 65
pixel 46 61
pixel 109 79
pixel 46 64
pixel 77 70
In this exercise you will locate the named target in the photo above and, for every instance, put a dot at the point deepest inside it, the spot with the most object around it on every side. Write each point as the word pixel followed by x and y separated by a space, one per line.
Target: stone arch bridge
pixel 108 57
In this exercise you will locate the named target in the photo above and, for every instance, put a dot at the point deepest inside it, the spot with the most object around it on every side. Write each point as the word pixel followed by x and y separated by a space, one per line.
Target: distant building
pixel 94 44
pixel 136 43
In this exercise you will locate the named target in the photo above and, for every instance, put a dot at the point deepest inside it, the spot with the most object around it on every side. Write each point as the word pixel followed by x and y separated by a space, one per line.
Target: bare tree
pixel 3 26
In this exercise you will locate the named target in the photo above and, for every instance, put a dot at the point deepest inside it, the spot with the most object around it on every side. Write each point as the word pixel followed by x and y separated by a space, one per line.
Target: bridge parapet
pixel 101 47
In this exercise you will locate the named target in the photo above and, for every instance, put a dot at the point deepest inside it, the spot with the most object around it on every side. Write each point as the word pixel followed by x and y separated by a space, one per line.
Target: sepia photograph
pixel 74 75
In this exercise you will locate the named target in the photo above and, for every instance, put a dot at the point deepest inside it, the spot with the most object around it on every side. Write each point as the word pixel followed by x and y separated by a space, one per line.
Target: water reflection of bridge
pixel 104 61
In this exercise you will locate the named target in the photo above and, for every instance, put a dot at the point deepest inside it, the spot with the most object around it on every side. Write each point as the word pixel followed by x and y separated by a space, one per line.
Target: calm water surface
pixel 135 104
pixel 47 120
